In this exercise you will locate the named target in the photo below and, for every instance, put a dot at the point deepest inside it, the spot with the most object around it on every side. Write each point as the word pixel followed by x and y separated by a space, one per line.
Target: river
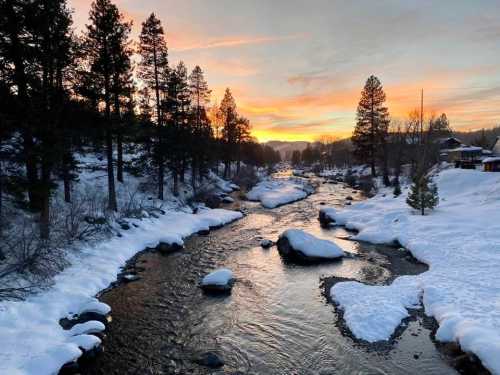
pixel 277 320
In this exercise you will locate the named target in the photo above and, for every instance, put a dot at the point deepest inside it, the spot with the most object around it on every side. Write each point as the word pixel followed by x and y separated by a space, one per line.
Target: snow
pixel 311 246
pixel 276 192
pixel 460 241
pixel 33 342
pixel 228 200
pixel 491 159
pixel 95 307
pixel 92 326
pixel 328 212
pixel 219 277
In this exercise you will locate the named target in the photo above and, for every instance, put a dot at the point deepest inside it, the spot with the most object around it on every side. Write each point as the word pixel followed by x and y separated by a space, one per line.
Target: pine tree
pixel 372 124
pixel 201 129
pixel 103 41
pixel 423 194
pixel 229 130
pixel 154 72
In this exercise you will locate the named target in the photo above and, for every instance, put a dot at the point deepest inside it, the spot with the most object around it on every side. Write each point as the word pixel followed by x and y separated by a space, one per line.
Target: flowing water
pixel 277 319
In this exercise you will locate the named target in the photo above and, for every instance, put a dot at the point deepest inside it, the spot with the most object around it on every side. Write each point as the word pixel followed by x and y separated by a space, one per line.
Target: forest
pixel 67 96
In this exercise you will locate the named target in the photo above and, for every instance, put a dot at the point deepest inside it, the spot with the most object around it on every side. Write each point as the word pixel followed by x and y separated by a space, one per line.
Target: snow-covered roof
pixel 446 139
pixel 464 148
pixel 492 159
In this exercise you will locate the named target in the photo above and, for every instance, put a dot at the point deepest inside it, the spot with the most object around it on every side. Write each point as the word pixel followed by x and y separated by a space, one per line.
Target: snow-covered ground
pixel 33 342
pixel 274 192
pixel 460 241
pixel 31 339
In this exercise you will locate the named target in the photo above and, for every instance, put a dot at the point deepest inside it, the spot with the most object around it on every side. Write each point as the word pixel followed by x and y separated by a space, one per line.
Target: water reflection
pixel 277 320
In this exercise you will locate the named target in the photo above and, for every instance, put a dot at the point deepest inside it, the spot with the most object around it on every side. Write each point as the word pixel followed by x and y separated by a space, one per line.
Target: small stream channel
pixel 278 319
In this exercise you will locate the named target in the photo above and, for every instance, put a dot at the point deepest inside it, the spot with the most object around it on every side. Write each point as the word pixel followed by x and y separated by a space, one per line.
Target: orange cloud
pixel 235 41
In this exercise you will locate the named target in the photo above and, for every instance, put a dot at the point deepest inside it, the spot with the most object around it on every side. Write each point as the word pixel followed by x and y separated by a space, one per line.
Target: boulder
pixel 166 248
pixel 266 244
pixel 326 216
pixel 218 282
pixel 209 359
pixel 301 247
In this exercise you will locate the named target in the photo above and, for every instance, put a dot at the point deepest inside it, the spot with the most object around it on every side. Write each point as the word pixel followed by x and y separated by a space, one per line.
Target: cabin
pixel 449 143
pixel 452 150
pixel 492 164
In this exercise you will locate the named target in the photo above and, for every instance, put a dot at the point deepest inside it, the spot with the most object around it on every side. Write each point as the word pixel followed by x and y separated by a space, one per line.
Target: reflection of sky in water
pixel 278 321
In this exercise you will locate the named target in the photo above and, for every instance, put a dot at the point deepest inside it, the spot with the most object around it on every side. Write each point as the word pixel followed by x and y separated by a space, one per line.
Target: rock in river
pixel 219 281
pixel 301 247
pixel 209 359
pixel 266 244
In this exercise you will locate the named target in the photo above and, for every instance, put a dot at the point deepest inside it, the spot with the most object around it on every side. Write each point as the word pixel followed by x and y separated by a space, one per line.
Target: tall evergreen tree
pixel 370 134
pixel 229 130
pixel 153 70
pixel 103 41
pixel 200 129
pixel 52 22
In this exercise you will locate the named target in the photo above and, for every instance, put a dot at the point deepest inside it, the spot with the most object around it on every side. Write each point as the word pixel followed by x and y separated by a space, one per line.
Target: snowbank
pixel 460 242
pixel 276 192
pixel 311 246
pixel 33 342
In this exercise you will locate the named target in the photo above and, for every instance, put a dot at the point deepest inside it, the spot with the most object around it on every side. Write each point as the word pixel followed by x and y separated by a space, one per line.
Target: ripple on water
pixel 277 320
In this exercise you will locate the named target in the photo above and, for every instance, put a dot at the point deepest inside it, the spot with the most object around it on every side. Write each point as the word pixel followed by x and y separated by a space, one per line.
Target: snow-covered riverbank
pixel 460 241
pixel 33 342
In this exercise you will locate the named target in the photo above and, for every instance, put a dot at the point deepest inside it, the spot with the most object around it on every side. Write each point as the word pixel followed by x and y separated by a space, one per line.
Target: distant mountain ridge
pixel 287 147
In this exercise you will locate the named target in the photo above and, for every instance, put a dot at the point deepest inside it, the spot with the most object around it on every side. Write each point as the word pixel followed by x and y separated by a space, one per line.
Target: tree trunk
pixel 67 181
pixel 112 204
pixel 119 130
pixel 183 171
pixel 193 174
pixel 45 201
pixel 119 146
pixel 66 167
pixel 161 177
pixel 176 183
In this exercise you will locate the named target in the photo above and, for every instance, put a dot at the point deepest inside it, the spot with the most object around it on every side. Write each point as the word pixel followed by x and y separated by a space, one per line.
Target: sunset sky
pixel 296 67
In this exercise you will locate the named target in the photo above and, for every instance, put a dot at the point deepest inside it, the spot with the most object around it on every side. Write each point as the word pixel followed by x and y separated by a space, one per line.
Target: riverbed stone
pixel 266 244
pixel 209 359
pixel 166 248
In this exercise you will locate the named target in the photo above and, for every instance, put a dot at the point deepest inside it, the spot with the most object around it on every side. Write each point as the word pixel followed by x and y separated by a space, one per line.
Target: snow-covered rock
pixel 92 326
pixel 220 280
pixel 460 242
pixel 327 215
pixel 95 307
pixel 276 192
pixel 228 199
pixel 304 247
